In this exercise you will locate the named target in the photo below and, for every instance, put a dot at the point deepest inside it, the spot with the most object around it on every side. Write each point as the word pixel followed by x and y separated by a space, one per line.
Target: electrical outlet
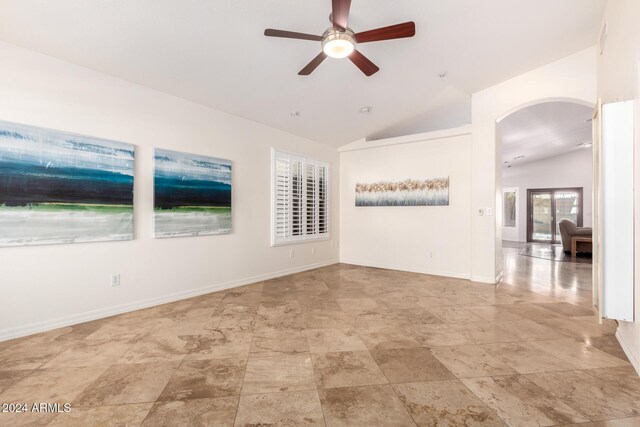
pixel 430 254
pixel 292 254
pixel 115 280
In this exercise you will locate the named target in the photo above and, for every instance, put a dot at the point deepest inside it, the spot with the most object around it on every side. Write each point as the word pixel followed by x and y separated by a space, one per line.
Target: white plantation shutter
pixel 300 199
pixel 282 198
pixel 311 199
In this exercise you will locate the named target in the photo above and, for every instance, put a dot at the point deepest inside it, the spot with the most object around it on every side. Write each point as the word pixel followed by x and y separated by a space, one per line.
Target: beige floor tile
pixel 620 422
pixel 317 319
pixel 268 373
pixel 455 315
pixel 280 316
pixel 244 322
pixel 607 343
pixel 60 385
pixel 347 368
pixel 526 358
pixel 438 335
pixel 289 409
pixel 220 344
pixel 375 405
pixel 91 353
pixel 180 326
pixel 387 337
pixel 117 415
pixel 28 419
pixel 579 354
pixel 278 341
pixel 597 398
pixel 158 348
pixel 31 355
pixel 469 361
pixel 391 302
pixel 519 401
pixel 575 328
pixel 8 378
pixel 529 311
pixel 199 379
pixel 567 309
pixel 332 340
pixel 484 332
pixel 357 305
pixel 529 330
pixel 128 383
pixel 533 334
pixel 122 328
pixel 218 412
pixel 445 404
pixel 402 365
pixel 493 313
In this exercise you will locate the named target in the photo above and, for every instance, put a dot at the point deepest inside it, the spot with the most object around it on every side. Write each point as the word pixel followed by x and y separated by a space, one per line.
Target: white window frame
pixel 276 240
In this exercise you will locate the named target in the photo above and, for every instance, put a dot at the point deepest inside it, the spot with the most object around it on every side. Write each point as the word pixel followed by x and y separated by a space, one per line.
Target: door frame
pixel 532 191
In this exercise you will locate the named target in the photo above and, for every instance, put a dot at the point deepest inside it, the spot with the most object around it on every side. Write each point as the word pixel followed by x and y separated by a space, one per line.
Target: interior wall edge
pixel 628 350
pixel 396 267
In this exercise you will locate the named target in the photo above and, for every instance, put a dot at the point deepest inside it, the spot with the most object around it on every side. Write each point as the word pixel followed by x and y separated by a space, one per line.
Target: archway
pixel 543 175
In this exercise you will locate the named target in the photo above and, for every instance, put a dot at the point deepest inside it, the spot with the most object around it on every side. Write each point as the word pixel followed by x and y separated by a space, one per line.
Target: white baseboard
pixel 452 274
pixel 487 279
pixel 633 358
pixel 61 322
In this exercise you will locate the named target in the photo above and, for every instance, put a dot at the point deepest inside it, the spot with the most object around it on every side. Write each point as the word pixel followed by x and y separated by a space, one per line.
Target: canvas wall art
pixel 192 194
pixel 57 187
pixel 426 192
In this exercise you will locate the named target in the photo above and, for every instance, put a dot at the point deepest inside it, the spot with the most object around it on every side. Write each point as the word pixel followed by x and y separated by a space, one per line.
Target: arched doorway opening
pixel 545 179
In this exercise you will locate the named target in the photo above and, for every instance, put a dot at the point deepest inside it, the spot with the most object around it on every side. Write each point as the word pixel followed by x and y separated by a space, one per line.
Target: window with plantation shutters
pixel 300 199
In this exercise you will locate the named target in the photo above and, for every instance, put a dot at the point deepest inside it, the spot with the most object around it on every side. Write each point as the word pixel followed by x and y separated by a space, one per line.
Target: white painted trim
pixel 486 279
pixel 454 275
pixel 36 327
pixel 363 144
pixel 633 358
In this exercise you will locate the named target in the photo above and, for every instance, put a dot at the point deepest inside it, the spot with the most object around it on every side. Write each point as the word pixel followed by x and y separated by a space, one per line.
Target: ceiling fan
pixel 339 41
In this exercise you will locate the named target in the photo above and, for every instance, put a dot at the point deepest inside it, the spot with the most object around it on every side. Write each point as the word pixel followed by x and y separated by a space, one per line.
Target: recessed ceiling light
pixel 442 75
pixel 519 157
pixel 366 110
pixel 295 114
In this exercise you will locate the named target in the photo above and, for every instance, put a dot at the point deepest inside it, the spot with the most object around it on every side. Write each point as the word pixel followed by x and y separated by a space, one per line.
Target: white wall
pixel 424 239
pixel 569 170
pixel 619 79
pixel 47 286
pixel 572 78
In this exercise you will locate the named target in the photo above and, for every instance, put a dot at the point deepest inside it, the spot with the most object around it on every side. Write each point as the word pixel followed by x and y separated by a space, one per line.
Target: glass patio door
pixel 547 207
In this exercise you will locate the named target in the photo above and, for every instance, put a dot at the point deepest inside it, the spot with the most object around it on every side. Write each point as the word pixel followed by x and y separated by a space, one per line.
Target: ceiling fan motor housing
pixel 341 43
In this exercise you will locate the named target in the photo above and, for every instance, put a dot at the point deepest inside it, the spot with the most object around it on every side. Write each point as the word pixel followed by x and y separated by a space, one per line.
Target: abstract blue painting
pixel 192 194
pixel 57 187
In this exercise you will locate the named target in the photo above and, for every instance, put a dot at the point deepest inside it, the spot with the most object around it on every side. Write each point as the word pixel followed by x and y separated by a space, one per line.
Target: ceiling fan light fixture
pixel 338 44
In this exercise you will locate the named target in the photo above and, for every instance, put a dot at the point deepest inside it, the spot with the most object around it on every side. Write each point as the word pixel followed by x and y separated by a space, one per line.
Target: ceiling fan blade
pixel 362 62
pixel 340 13
pixel 313 64
pixel 398 31
pixel 270 32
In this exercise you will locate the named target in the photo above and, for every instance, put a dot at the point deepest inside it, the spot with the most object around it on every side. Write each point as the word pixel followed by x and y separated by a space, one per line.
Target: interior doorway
pixel 547 207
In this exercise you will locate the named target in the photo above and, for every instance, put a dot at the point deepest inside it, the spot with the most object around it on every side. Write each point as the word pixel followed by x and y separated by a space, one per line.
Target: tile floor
pixel 340 346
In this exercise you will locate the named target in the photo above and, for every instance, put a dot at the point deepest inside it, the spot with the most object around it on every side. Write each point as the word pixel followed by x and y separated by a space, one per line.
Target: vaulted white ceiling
pixel 214 52
pixel 544 130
